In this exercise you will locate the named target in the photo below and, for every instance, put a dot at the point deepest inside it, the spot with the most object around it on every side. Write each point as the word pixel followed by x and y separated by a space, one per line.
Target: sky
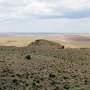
pixel 60 16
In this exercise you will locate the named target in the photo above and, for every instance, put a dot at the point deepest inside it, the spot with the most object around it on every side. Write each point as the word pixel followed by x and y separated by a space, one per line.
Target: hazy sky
pixel 45 16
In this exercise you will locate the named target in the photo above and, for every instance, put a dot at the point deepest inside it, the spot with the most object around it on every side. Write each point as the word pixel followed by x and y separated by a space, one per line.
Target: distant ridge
pixel 40 33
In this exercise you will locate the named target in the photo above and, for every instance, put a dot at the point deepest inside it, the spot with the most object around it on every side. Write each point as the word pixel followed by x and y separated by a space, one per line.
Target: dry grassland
pixel 69 41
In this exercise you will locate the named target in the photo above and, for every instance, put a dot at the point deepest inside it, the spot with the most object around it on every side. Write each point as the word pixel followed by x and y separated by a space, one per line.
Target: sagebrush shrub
pixel 28 57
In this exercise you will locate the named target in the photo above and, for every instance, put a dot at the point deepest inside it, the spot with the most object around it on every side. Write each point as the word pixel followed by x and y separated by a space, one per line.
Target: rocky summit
pixel 46 43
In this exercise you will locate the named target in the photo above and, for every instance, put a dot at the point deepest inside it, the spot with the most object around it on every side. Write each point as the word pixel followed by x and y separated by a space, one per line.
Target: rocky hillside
pixel 40 66
pixel 46 43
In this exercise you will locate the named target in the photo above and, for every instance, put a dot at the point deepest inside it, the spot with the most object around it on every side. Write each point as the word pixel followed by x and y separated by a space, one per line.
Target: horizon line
pixel 44 33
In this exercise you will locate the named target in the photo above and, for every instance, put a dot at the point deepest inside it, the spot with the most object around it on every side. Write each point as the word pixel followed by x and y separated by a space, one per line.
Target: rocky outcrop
pixel 46 43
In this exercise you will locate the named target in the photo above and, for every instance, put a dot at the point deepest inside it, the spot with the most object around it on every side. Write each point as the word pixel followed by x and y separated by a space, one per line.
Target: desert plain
pixel 68 40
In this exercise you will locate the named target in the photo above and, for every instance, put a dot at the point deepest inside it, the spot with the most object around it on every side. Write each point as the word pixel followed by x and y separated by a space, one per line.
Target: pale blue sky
pixel 71 16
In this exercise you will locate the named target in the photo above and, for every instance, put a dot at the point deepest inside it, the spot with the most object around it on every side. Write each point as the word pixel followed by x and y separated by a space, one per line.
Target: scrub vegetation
pixel 44 65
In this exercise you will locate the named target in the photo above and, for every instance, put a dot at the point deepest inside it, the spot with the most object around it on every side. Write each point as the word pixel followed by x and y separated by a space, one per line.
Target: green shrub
pixel 52 75
pixel 28 57
pixel 65 77
pixel 67 86
pixel 56 88
pixel 15 81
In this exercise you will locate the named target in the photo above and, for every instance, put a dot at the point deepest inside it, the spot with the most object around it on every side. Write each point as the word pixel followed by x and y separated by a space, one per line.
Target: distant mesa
pixel 46 43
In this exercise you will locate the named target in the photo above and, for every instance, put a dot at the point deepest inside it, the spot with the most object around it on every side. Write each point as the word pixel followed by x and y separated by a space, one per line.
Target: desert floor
pixel 68 40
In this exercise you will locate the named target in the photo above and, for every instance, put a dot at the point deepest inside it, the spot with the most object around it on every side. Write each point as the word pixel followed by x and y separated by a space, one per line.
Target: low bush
pixel 28 57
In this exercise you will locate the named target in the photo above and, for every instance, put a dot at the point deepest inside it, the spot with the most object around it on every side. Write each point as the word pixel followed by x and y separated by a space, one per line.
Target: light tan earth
pixel 69 41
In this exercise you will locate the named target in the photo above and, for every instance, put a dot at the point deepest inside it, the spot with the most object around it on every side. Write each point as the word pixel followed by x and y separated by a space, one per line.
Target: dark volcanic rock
pixel 46 43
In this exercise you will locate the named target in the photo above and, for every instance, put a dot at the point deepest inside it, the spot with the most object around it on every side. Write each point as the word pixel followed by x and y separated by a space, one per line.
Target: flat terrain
pixel 68 40
pixel 44 65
